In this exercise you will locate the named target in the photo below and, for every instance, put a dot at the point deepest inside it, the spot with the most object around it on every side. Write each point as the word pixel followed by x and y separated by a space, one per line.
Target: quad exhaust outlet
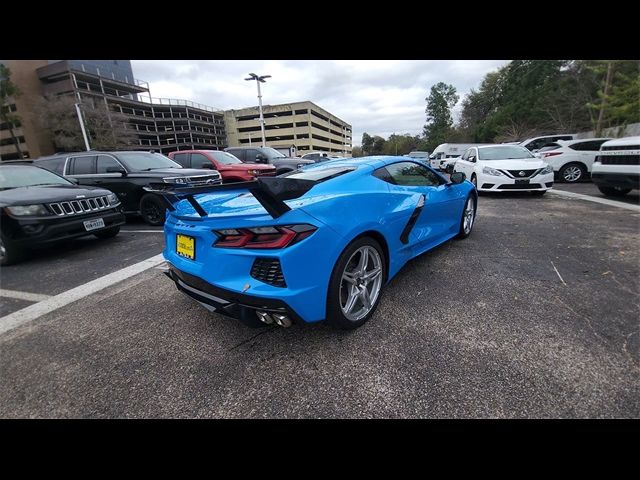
pixel 278 318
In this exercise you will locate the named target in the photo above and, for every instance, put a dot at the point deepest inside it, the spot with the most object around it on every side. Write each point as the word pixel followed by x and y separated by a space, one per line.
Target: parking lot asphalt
pixel 536 314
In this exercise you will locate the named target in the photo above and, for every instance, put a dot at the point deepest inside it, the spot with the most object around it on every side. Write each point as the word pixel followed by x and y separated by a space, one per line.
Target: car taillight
pixel 263 237
pixel 550 154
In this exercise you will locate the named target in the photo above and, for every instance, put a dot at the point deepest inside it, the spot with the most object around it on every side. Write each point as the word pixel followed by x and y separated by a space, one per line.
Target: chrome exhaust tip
pixel 264 317
pixel 282 320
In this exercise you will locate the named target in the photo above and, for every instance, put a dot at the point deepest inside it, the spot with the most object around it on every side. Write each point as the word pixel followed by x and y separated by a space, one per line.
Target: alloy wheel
pixel 572 173
pixel 361 283
pixel 469 216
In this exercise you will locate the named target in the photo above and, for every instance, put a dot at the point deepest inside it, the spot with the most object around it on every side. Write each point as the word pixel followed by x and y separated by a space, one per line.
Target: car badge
pixel 521 174
pixel 246 287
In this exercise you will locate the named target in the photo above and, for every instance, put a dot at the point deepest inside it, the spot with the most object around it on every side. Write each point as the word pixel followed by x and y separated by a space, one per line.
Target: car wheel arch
pixel 378 237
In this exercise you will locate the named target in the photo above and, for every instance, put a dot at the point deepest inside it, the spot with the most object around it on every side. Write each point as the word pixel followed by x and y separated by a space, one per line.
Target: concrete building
pixel 32 144
pixel 157 123
pixel 303 124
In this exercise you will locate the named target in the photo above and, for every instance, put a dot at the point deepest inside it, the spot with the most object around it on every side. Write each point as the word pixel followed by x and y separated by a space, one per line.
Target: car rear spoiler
pixel 271 192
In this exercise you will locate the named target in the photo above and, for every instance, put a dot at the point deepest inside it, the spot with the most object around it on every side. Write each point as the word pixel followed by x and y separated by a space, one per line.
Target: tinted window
pixel 239 154
pixel 83 165
pixel 412 174
pixel 181 158
pixel 53 164
pixel 198 160
pixel 105 161
pixel 465 155
pixel 250 155
pixel 592 145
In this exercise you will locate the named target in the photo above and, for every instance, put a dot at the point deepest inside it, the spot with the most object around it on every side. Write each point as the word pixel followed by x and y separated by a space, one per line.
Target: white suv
pixel 616 170
pixel 572 160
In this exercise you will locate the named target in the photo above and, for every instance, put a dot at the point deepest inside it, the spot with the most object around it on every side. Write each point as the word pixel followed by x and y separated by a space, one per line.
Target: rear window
pixel 319 174
pixel 54 164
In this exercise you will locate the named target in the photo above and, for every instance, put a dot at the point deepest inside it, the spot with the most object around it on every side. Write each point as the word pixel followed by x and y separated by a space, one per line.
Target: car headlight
pixel 253 172
pixel 113 199
pixel 24 210
pixel 548 169
pixel 174 180
pixel 491 171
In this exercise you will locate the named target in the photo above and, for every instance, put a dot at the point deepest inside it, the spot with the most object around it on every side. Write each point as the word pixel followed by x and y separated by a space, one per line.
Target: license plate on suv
pixel 93 224
pixel 186 246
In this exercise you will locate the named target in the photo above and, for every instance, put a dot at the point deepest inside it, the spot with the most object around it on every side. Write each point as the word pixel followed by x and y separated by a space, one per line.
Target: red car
pixel 230 167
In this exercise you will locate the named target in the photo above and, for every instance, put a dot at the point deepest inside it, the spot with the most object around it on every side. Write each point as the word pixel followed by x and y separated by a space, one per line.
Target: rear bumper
pixel 227 302
pixel 620 180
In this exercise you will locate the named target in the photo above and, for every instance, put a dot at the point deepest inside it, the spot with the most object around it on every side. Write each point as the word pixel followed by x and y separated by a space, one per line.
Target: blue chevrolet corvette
pixel 318 243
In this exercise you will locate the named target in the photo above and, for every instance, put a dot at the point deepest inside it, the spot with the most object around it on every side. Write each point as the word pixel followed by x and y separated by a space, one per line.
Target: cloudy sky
pixel 377 97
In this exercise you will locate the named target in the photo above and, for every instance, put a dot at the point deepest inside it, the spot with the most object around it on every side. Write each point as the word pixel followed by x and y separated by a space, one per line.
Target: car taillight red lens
pixel 263 237
pixel 551 154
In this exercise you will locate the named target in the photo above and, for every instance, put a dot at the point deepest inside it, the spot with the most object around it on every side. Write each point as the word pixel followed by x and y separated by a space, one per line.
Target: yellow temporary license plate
pixel 186 246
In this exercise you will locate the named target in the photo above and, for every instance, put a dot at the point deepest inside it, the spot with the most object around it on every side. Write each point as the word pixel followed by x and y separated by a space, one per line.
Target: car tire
pixel 9 252
pixel 465 226
pixel 572 173
pixel 614 191
pixel 474 180
pixel 340 290
pixel 108 233
pixel 152 209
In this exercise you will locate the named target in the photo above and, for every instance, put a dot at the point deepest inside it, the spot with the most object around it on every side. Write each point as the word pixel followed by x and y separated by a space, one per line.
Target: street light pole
pixel 84 132
pixel 260 79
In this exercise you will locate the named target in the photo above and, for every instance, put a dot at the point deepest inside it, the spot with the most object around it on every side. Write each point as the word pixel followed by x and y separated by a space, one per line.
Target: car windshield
pixel 271 153
pixel 504 153
pixel 144 161
pixel 16 176
pixel 224 157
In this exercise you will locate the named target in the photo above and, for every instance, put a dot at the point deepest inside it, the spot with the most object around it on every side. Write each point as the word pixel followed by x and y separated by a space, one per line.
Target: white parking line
pixel 27 314
pixel 30 297
pixel 589 198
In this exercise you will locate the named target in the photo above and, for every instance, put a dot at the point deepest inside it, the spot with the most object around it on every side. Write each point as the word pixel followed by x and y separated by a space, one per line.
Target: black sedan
pixel 38 207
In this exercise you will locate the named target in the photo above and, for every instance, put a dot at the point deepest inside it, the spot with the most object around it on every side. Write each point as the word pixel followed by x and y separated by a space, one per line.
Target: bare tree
pixel 107 130
pixel 9 91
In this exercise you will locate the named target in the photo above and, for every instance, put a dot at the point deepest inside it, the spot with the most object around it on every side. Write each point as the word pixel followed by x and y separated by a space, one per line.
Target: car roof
pixel 621 142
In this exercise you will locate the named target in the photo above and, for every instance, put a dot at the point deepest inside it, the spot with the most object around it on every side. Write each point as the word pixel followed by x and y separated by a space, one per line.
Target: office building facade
pixel 304 125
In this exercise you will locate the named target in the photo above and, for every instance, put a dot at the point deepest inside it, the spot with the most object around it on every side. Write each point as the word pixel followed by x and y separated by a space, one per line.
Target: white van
pixel 438 157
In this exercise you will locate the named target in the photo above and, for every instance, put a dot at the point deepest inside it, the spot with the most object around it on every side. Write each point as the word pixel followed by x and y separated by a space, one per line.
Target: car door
pixel 181 159
pixel 112 180
pixel 463 165
pixel 82 168
pixel 441 213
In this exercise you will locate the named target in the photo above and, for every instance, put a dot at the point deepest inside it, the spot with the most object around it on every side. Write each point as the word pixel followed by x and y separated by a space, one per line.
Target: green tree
pixel 367 143
pixel 8 93
pixel 356 152
pixel 378 145
pixel 440 101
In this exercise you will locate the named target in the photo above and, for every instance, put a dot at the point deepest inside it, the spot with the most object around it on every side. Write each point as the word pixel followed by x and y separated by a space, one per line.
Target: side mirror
pixel 119 170
pixel 260 158
pixel 472 158
pixel 457 178
pixel 449 169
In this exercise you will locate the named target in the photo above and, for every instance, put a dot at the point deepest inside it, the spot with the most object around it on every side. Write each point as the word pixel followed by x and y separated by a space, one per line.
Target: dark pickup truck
pixel 126 173
pixel 269 155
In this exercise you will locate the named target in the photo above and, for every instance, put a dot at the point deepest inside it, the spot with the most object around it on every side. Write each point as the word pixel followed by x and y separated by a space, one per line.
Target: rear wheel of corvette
pixel 356 283
pixel 468 217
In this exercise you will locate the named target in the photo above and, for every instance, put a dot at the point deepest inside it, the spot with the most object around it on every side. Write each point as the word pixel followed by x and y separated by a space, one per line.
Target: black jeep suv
pixel 38 207
pixel 126 174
